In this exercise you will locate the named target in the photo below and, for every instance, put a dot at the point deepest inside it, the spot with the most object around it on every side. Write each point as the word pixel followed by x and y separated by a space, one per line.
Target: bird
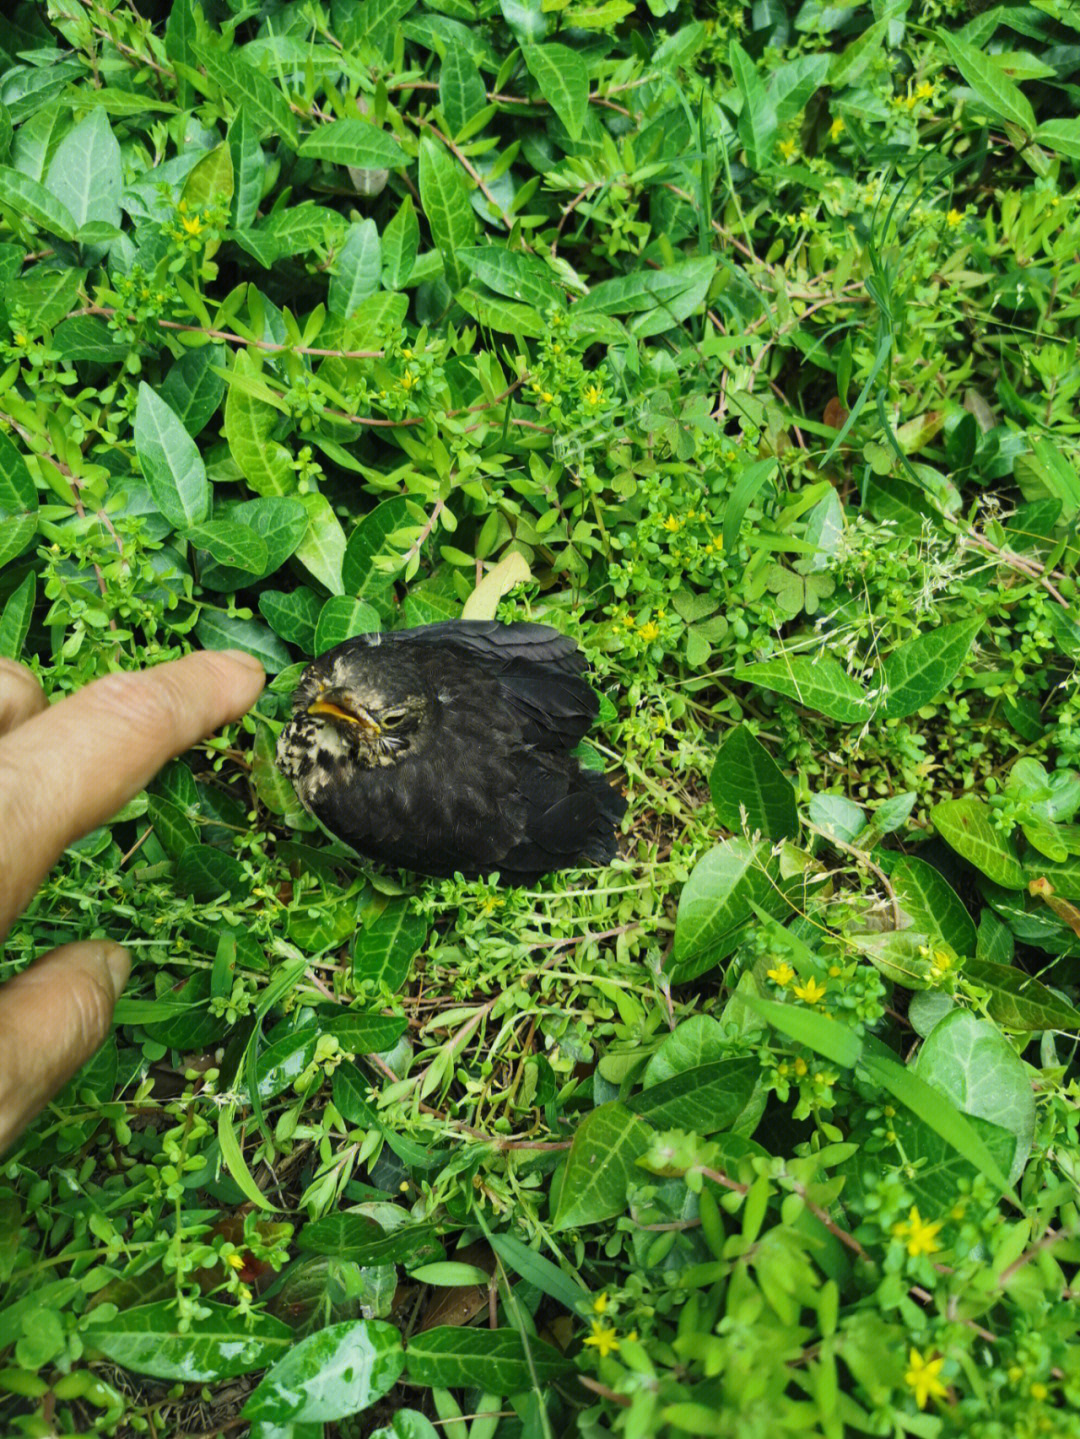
pixel 446 749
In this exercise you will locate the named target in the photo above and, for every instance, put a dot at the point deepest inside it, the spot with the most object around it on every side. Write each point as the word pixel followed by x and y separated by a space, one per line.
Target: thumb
pixel 53 1016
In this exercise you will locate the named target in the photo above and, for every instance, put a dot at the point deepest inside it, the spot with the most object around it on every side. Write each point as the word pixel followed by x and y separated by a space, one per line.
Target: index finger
pixel 72 767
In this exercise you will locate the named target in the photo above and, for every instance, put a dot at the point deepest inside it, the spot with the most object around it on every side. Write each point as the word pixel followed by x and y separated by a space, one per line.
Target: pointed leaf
pixel 746 777
pixel 967 825
pixel 216 1345
pixel 170 463
pixel 920 669
pixel 822 684
pixel 338 1372
pixel 356 142
pixel 600 1166
pixel 562 77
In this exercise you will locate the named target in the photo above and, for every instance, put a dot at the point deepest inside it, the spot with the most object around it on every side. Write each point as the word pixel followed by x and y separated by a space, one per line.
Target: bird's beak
pixel 358 716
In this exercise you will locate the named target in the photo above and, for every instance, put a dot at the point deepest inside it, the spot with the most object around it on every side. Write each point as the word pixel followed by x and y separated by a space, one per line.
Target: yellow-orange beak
pixel 333 711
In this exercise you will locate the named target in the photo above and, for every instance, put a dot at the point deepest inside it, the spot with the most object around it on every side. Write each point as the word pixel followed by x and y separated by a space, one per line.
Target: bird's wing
pixel 539 670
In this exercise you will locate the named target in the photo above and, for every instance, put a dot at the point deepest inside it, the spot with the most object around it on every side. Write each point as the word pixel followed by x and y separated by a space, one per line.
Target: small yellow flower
pixel 236 1261
pixel 408 380
pixel 1014 1373
pixel 919 1237
pixel 787 148
pixel 632 1335
pixel 925 91
pixel 19 339
pixel 1039 1391
pixel 835 971
pixel 600 1304
pixel 811 992
pixel 782 974
pixel 546 396
pixel 800 1066
pixel 603 1338
pixel 556 348
pixel 491 904
pixel 408 354
pixel 649 631
pixel 954 218
pixel 673 523
pixel 593 394
pixel 628 621
pixel 192 225
pixel 922 1376
pixel 836 129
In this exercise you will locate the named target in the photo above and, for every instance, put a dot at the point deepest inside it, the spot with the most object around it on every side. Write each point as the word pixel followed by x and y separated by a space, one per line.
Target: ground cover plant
pixel 742 344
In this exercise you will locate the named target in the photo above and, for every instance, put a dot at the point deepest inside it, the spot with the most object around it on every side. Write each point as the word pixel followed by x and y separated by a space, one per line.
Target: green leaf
pixel 358 1238
pixel 212 181
pixel 18 493
pixel 562 77
pixel 971 1061
pixel 386 946
pixel 360 575
pixel 538 1271
pixel 706 1098
pixel 171 465
pixel 216 631
pixel 45 296
pixel 967 826
pixel 356 142
pixel 400 242
pixel 241 84
pixel 230 543
pixel 292 614
pixel 28 199
pixel 249 167
pixel 15 617
pixel 214 1346
pixel 86 174
pixel 746 777
pixel 235 1163
pixel 757 118
pixel 1061 136
pixel 718 900
pixel 341 618
pixel 322 550
pixel 340 1371
pixel 461 90
pixel 445 199
pixel 505 316
pixel 174 830
pixel 84 337
pixel 826 1036
pixel 1000 96
pixel 499 1361
pixel 600 1166
pixel 746 489
pixel 192 389
pixel 822 684
pixel 1019 1001
pixel 514 274
pixel 934 906
pixel 357 270
pixel 366 1033
pixel 920 669
pixel 661 299
pixel 264 462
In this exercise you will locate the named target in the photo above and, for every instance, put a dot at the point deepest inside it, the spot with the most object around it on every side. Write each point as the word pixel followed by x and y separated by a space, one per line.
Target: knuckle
pixel 132 700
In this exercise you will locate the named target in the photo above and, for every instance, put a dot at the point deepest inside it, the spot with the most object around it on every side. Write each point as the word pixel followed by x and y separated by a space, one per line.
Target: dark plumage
pixel 447 748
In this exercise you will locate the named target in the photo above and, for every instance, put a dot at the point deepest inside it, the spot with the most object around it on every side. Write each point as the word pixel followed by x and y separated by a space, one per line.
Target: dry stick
pixel 1017 562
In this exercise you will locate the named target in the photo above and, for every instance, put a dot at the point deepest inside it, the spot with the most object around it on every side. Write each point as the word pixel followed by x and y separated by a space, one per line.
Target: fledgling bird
pixel 446 749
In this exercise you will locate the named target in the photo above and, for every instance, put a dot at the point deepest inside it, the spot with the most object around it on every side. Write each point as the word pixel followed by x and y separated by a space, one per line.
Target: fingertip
pixel 247 660
pixel 117 963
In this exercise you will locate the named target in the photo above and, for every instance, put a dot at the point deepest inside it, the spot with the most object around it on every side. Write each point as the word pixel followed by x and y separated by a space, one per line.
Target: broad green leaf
pixel 562 77
pixel 207 872
pixel 357 269
pixel 461 90
pixel 934 906
pixel 400 242
pixel 1001 97
pixel 822 684
pixel 356 142
pixel 241 84
pixel 230 543
pixel 386 946
pixel 360 574
pixel 216 1345
pixel 920 669
pixel 704 1099
pixel 216 631
pixel 171 465
pixel 283 1062
pixel 694 1042
pixel 249 167
pixel 717 901
pixel 359 1238
pixel 600 1166
pixel 1062 136
pixel 292 614
pixel 514 274
pixel 192 389
pixel 15 617
pixel 341 618
pixel 27 198
pixel 351 1092
pixel 174 830
pixel 745 777
pixel 506 316
pixel 644 291
pixel 1018 1000
pixel 826 1036
pixel 752 480
pixel 84 337
pixel 967 825
pixel 445 200
pixel 18 493
pixel 86 174
pixel 340 1371
pixel 849 64
pixel 757 118
pixel 322 550
pixel 971 1061
pixel 406 1424
pixel 212 182
pixel 44 296
pixel 264 462
pixel 500 1361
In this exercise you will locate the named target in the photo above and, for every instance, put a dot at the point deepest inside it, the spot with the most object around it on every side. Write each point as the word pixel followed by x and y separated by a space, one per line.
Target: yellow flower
pixel 925 91
pixel 408 354
pixel 593 394
pixel 801 1066
pixel 954 218
pixel 192 225
pixel 787 148
pixel 1039 1391
pixel 835 971
pixel 811 992
pixel 546 396
pixel 922 1375
pixel 236 1261
pixel 649 631
pixel 491 904
pixel 782 974
pixel 603 1338
pixel 19 339
pixel 409 380
pixel 673 523
pixel 836 129
pixel 600 1303
pixel 628 621
pixel 918 1236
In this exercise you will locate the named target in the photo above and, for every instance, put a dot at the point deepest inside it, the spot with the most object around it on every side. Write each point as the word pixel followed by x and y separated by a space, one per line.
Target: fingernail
pixel 242 657
pixel 118 963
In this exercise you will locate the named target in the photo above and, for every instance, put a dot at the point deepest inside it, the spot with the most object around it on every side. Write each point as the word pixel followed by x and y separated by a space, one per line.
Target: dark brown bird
pixel 446 749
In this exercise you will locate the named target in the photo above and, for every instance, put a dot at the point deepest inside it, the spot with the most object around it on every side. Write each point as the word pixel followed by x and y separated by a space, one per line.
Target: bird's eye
pixel 393 718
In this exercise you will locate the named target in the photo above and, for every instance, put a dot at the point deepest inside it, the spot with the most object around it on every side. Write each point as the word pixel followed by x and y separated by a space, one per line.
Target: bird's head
pixel 364 706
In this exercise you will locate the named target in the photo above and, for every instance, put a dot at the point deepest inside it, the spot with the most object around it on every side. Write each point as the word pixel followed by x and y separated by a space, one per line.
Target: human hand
pixel 64 769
